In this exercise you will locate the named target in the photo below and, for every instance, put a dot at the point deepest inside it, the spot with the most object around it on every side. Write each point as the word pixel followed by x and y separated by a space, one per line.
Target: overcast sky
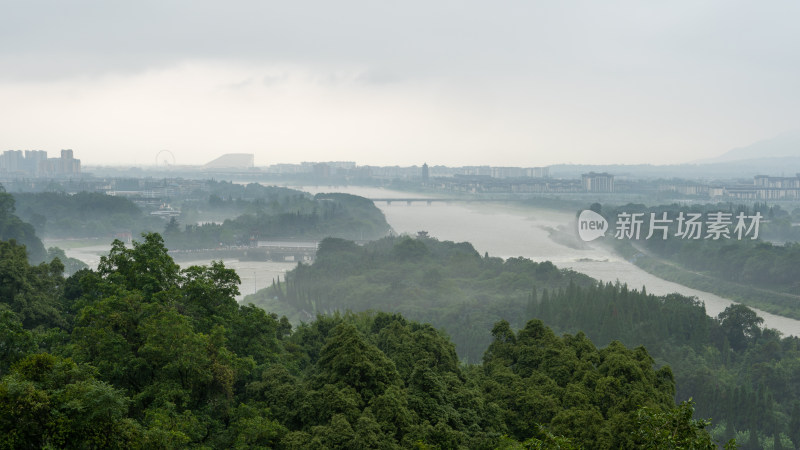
pixel 521 83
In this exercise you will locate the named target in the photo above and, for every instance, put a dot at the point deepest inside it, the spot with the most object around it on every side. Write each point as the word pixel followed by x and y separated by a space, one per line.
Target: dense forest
pixel 424 279
pixel 141 354
pixel 241 212
pixel 215 201
pixel 294 218
pixel 12 227
pixel 216 213
pixel 23 233
pixel 782 224
pixel 81 215
pixel 757 272
pixel 741 374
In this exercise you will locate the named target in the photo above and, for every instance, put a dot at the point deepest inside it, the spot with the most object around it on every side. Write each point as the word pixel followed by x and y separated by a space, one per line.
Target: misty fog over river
pixel 255 275
pixel 509 231
pixel 499 229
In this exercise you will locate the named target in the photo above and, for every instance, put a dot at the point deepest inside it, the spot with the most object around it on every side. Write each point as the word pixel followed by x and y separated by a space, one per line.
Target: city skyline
pixel 522 84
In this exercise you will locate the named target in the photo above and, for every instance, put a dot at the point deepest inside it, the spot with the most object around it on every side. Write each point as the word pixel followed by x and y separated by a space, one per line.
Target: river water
pixel 510 231
pixel 500 230
pixel 255 275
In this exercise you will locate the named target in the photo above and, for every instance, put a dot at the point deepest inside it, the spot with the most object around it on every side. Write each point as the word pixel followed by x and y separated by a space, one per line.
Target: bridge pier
pixel 412 200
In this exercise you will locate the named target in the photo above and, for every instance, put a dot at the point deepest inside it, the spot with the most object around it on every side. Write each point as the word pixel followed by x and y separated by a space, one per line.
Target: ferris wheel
pixel 165 158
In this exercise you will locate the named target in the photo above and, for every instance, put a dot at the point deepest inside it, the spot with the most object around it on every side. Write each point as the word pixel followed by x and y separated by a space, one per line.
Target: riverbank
pixel 505 230
pixel 778 303
pixel 516 229
pixel 255 275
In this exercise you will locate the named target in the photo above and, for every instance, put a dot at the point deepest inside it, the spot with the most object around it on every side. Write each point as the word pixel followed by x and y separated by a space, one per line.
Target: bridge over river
pixel 284 251
pixel 430 200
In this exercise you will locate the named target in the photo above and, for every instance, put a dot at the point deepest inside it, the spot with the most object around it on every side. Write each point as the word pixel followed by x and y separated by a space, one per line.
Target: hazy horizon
pixel 166 160
pixel 451 83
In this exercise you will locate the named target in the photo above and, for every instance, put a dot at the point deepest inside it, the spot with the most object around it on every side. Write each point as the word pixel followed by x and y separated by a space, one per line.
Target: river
pixel 510 231
pixel 255 275
pixel 498 229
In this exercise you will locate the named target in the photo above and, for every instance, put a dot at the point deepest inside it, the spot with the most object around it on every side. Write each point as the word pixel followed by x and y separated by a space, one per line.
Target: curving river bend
pixel 508 231
pixel 500 230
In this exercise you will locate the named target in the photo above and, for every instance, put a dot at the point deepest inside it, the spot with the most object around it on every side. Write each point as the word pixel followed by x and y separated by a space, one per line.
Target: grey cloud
pixel 271 80
pixel 465 39
pixel 241 84
pixel 597 73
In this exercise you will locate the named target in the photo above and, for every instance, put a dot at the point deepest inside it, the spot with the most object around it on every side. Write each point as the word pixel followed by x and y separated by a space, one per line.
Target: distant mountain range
pixel 743 170
pixel 778 156
pixel 786 145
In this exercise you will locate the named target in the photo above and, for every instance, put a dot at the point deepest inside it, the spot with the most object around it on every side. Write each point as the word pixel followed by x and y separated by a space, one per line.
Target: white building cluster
pixel 36 164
